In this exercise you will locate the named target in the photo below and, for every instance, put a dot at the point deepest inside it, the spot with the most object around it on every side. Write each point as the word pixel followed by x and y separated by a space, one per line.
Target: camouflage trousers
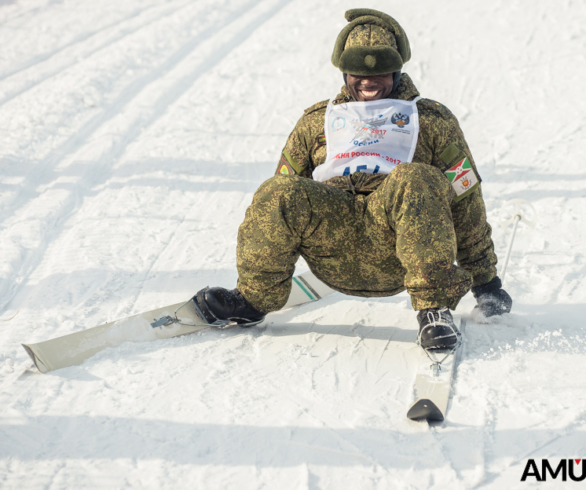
pixel 400 236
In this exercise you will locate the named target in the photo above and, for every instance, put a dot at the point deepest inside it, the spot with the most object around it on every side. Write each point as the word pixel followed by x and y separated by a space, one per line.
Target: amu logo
pixel 565 468
pixel 400 119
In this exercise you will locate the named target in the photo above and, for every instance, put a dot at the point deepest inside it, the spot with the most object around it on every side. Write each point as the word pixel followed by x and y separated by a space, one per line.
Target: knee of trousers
pixel 279 186
pixel 417 172
pixel 420 176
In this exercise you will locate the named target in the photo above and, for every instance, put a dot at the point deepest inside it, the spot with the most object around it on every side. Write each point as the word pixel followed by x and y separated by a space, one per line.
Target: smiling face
pixel 365 88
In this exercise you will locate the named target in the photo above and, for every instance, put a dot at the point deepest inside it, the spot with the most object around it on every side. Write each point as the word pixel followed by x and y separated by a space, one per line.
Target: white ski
pixel 433 383
pixel 160 323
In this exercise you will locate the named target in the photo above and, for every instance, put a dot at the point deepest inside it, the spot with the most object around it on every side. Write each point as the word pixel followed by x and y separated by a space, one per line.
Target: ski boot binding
pixel 437 329
pixel 226 307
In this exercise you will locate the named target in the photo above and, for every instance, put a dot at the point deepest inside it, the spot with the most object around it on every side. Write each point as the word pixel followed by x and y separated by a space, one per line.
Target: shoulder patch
pixel 432 105
pixel 315 107
pixel 288 165
pixel 284 168
pixel 462 178
pixel 321 139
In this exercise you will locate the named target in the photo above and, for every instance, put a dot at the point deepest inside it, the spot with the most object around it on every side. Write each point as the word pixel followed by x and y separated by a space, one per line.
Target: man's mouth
pixel 369 94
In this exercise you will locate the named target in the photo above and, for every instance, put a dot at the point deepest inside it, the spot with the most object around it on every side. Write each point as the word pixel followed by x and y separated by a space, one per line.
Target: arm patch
pixel 284 168
pixel 288 165
pixel 463 178
pixel 460 172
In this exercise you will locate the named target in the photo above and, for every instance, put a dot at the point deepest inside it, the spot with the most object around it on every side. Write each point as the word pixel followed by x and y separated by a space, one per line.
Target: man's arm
pixel 474 234
pixel 475 246
pixel 296 156
pixel 443 144
pixel 306 146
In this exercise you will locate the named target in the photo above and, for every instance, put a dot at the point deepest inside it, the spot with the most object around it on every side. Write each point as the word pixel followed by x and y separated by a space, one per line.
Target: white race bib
pixel 372 137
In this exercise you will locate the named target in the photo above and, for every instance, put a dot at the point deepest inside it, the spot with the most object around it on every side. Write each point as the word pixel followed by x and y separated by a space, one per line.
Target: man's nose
pixel 367 82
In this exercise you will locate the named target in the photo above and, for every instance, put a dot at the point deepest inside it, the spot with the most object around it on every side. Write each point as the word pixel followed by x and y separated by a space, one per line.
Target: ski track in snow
pixel 133 136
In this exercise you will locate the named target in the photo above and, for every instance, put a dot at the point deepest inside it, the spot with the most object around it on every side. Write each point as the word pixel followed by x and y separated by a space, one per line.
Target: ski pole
pixel 517 218
pixel 523 212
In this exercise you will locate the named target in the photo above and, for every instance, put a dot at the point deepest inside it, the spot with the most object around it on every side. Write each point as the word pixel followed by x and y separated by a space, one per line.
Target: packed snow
pixel 132 137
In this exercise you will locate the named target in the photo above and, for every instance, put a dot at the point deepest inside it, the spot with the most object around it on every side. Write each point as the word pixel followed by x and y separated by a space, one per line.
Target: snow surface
pixel 132 137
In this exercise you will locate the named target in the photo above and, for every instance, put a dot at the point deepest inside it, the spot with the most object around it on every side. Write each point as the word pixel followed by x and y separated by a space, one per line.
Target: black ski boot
pixel 220 305
pixel 437 329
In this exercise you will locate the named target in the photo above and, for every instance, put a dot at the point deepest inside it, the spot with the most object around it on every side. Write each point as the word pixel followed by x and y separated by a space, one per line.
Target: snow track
pixel 132 138
pixel 140 105
pixel 45 66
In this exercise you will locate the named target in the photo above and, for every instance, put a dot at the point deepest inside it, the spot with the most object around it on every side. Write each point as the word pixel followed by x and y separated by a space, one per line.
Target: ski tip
pixel 38 363
pixel 424 409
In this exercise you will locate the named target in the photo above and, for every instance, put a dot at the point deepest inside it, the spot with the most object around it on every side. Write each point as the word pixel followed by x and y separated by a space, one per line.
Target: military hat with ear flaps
pixel 373 43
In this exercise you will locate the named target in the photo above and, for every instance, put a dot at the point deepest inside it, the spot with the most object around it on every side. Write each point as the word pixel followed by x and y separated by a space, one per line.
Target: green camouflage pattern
pixel 400 236
pixel 373 43
pixel 370 35
pixel 439 130
pixel 364 234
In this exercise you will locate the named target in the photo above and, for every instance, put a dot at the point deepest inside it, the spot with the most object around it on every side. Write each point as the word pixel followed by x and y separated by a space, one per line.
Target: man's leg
pixel 289 216
pixel 415 201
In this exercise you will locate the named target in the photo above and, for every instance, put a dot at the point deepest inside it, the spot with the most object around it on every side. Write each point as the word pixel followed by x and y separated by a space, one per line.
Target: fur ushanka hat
pixel 373 43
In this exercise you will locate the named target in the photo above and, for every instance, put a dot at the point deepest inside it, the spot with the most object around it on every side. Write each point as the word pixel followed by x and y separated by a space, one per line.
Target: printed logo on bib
pixel 368 132
pixel 338 124
pixel 400 119
pixel 462 176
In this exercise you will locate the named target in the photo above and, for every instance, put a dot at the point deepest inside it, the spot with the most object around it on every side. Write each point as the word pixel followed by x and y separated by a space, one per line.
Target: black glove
pixel 492 299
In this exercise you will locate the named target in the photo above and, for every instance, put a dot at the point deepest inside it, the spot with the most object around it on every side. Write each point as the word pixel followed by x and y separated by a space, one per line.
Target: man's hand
pixel 492 299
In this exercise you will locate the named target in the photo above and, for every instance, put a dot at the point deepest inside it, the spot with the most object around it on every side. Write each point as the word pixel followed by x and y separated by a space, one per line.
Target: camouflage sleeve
pixel 474 234
pixel 475 247
pixel 306 146
pixel 447 146
pixel 296 156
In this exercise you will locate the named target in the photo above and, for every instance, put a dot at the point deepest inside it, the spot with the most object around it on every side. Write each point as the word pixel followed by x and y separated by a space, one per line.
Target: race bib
pixel 372 137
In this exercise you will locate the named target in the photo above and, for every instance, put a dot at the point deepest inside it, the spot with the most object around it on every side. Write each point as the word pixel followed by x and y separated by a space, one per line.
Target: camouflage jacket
pixel 440 143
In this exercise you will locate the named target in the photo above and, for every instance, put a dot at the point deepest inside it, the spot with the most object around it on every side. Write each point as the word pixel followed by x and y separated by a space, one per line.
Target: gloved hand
pixel 492 299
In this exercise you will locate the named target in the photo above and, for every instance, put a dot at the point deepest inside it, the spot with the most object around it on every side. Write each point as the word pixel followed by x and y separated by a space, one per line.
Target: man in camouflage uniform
pixel 369 233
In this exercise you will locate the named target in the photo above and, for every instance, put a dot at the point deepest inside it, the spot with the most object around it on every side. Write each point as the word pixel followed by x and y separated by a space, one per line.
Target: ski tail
pixel 38 363
pixel 161 323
